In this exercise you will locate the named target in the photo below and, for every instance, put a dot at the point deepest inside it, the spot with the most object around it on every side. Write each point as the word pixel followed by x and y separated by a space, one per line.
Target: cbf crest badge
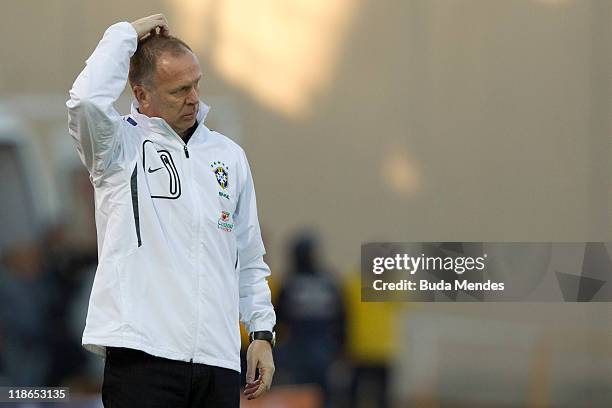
pixel 221 173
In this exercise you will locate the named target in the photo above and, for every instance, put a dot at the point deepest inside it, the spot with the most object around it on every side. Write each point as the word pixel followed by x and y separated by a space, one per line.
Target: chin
pixel 187 124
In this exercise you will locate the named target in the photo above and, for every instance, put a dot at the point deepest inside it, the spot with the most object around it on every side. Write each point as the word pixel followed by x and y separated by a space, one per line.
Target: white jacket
pixel 179 244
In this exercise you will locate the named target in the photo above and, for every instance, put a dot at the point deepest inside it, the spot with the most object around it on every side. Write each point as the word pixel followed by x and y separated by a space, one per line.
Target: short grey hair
pixel 144 61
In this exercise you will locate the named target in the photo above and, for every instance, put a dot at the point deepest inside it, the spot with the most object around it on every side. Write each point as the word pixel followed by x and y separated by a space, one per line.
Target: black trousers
pixel 133 378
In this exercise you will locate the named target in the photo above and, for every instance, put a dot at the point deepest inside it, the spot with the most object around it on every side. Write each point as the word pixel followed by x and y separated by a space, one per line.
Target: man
pixel 180 249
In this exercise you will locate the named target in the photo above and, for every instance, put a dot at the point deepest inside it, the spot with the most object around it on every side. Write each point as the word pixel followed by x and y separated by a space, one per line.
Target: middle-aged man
pixel 179 244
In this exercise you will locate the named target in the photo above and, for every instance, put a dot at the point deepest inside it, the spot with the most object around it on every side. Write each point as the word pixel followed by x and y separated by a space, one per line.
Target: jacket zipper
pixel 197 252
pixel 198 263
pixel 178 137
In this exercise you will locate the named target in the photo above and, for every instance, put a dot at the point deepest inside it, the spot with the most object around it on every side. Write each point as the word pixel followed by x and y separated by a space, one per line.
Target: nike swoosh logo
pixel 154 170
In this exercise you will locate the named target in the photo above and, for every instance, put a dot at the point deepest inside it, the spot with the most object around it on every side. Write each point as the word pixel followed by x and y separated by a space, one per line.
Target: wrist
pixel 267 336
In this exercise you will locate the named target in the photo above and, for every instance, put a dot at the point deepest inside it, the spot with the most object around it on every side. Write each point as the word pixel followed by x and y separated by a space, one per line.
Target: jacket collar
pixel 159 125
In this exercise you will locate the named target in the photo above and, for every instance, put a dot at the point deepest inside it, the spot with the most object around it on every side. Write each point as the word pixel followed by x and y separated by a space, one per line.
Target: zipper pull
pixel 186 151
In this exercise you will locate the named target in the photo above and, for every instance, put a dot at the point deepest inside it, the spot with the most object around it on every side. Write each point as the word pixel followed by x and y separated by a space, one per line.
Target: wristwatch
pixel 268 336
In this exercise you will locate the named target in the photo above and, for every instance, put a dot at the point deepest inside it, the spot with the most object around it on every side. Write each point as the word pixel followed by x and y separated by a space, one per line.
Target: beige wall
pixel 420 120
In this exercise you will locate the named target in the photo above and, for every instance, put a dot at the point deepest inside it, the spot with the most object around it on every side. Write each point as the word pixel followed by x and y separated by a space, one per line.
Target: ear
pixel 142 95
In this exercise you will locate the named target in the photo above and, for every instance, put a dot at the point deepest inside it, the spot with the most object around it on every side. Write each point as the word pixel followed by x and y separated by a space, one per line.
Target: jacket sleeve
pixel 256 310
pixel 93 122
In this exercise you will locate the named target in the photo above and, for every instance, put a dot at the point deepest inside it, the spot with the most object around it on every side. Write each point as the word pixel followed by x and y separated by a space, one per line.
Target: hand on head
pixel 151 25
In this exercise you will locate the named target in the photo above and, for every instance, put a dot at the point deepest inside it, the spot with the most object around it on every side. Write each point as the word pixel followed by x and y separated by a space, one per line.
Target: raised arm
pixel 93 121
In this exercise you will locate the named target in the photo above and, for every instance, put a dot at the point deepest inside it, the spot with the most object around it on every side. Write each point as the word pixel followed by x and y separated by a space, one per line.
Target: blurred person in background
pixel 39 285
pixel 371 344
pixel 181 255
pixel 69 265
pixel 310 313
pixel 25 298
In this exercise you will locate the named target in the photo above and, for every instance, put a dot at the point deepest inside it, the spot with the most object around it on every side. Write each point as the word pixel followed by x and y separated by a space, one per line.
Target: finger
pixel 250 395
pixel 251 390
pixel 266 376
pixel 165 29
pixel 248 391
pixel 252 386
pixel 254 383
pixel 158 30
pixel 266 380
pixel 160 22
pixel 251 367
pixel 260 391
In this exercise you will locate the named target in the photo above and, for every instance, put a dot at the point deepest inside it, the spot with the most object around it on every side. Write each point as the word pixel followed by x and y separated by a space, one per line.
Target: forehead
pixel 176 68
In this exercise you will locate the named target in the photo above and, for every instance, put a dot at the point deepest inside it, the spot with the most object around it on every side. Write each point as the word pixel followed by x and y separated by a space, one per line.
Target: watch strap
pixel 263 335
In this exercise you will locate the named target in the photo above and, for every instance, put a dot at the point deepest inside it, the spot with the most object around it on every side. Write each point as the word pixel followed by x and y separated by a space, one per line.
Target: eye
pixel 181 90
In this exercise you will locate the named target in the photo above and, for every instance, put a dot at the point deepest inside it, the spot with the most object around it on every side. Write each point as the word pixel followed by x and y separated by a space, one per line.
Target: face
pixel 174 94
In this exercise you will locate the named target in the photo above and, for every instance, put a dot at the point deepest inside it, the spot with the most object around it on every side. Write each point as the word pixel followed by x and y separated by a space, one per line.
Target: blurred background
pixel 363 120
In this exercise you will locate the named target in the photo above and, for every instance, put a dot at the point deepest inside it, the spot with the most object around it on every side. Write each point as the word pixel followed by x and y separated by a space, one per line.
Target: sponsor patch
pixel 224 222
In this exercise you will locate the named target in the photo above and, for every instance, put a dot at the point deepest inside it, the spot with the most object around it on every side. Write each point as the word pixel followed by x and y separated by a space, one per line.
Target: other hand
pixel 259 356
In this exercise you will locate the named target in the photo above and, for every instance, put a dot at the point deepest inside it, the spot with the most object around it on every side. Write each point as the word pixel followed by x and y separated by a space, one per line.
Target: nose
pixel 193 96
